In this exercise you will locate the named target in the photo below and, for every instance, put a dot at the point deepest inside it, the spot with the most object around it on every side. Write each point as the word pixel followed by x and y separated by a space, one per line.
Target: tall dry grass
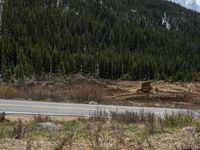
pixel 87 94
pixel 152 123
pixel 9 92
pixel 82 94
pixel 19 130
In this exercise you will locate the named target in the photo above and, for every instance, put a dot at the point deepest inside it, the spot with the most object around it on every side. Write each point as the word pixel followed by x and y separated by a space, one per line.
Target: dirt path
pixel 15 117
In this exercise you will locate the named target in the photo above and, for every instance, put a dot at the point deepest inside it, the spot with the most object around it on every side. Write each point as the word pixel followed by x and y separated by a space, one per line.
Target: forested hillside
pixel 135 39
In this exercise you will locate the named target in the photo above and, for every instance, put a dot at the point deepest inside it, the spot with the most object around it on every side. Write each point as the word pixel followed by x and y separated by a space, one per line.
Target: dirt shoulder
pixel 28 118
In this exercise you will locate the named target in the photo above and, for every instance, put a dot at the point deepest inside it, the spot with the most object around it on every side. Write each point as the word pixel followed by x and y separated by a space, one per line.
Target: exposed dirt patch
pixel 12 144
pixel 163 94
pixel 14 117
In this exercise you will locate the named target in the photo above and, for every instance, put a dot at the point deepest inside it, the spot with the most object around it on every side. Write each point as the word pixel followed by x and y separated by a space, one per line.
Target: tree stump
pixel 145 88
pixel 2 117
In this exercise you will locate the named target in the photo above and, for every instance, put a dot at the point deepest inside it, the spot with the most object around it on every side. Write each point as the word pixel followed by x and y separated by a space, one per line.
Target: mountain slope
pixel 148 39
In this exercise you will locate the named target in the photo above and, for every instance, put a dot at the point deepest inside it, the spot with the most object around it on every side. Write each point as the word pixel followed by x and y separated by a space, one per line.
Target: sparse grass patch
pixel 18 130
pixel 179 119
pixel 197 125
pixel 101 116
pixel 150 123
pixel 102 130
pixel 125 117
pixel 41 118
pixel 68 136
pixel 6 129
pixel 7 124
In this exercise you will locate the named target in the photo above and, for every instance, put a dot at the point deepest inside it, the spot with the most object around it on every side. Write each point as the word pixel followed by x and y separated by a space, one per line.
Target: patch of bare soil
pixel 15 117
pixel 13 144
pixel 162 94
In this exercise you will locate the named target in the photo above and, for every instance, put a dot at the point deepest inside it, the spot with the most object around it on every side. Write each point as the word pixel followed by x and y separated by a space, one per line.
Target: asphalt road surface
pixel 66 109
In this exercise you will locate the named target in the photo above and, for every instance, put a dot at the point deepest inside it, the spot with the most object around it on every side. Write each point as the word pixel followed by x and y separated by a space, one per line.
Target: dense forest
pixel 132 39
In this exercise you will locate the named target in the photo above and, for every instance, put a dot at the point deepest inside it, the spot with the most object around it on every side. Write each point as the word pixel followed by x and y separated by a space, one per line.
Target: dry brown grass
pixel 33 92
pixel 42 118
pixel 7 91
pixel 46 93
pixel 87 94
pixel 76 92
pixel 19 130
pixel 108 133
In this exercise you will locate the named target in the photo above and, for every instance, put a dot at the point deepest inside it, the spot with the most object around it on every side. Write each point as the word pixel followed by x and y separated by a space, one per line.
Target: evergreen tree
pixel 113 39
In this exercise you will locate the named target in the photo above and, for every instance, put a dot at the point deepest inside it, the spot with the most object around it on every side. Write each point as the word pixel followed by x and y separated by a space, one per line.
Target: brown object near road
pixel 3 117
pixel 145 87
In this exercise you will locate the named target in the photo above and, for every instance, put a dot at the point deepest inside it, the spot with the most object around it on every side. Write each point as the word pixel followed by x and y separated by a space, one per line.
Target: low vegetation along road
pixel 48 108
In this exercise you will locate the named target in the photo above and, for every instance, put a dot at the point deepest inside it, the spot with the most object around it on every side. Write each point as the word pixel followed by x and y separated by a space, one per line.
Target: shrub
pixel 124 117
pixel 119 132
pixel 150 124
pixel 101 116
pixel 94 132
pixel 180 119
pixel 67 135
pixel 128 117
pixel 18 131
pixel 29 143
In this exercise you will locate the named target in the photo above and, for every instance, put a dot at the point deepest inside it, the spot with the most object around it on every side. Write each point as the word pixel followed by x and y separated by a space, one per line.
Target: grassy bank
pixel 102 131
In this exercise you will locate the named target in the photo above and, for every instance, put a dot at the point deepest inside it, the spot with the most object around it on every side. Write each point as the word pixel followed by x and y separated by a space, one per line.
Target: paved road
pixel 48 108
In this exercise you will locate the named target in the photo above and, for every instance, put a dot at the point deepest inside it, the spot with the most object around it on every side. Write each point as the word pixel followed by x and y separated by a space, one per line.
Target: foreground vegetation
pixel 103 130
pixel 132 39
